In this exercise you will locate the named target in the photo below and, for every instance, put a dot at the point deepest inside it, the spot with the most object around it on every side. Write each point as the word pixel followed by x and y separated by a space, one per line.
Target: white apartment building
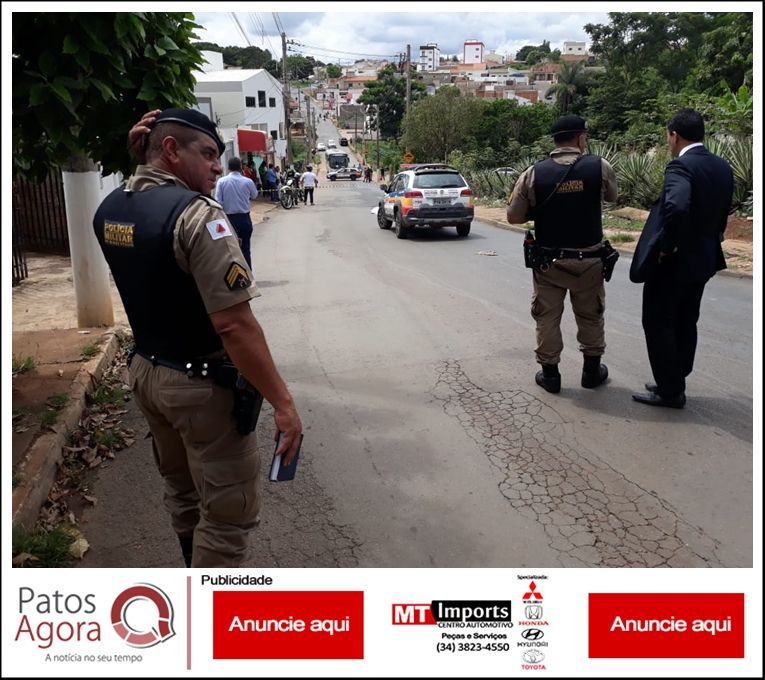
pixel 244 98
pixel 574 51
pixel 430 57
pixel 472 52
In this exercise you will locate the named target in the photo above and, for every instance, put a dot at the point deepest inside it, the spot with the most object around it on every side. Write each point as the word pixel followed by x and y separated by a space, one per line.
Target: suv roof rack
pixel 417 167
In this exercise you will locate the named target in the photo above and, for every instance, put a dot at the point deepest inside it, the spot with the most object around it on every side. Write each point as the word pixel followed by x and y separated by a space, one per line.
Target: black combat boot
pixel 187 548
pixel 593 373
pixel 549 378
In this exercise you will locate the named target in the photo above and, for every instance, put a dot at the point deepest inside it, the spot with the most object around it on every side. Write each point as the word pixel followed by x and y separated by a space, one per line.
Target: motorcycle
pixel 289 194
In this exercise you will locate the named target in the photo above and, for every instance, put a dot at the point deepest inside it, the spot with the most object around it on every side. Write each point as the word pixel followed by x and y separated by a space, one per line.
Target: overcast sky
pixel 342 36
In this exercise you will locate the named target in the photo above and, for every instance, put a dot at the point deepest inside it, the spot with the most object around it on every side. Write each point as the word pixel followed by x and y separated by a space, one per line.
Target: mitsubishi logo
pixel 532 592
pixel 532 634
pixel 534 612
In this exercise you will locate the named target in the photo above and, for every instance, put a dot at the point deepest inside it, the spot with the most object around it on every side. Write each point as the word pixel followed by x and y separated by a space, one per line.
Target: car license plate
pixel 442 201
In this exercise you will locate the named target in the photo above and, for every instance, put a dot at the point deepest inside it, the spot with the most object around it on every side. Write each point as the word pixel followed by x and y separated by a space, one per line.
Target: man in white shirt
pixel 234 192
pixel 310 182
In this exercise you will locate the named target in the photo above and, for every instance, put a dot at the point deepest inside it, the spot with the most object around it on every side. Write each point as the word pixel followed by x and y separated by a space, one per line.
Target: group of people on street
pixel 186 285
pixel 678 252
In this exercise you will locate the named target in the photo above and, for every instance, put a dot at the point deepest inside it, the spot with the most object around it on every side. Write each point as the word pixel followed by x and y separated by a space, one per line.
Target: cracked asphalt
pixel 592 514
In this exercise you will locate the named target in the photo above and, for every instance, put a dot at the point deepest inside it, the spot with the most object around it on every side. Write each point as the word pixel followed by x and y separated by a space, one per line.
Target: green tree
pixel 504 125
pixel 388 93
pixel 666 41
pixel 439 124
pixel 726 53
pixel 300 67
pixel 734 111
pixel 334 71
pixel 618 94
pixel 244 57
pixel 572 83
pixel 82 80
pixel 543 51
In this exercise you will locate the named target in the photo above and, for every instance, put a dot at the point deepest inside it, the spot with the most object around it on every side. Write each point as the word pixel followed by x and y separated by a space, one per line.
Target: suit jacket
pixel 689 219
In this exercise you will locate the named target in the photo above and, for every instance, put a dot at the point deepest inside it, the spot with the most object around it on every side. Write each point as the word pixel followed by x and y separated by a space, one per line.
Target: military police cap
pixel 568 124
pixel 193 119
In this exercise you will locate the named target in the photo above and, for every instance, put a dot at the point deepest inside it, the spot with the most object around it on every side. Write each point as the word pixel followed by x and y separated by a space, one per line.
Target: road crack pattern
pixel 592 514
pixel 299 526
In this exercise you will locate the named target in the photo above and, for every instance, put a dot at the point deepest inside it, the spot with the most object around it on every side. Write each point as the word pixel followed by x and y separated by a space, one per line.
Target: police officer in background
pixel 186 290
pixel 563 195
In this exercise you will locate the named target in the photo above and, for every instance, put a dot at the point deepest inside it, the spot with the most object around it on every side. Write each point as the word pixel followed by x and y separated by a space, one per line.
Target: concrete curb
pixel 41 461
pixel 522 230
pixel 262 215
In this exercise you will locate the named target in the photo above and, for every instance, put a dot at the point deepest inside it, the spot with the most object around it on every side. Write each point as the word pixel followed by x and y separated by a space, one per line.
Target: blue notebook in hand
pixel 284 473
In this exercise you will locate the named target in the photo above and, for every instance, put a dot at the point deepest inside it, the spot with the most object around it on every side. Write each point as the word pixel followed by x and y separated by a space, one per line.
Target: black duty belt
pixel 195 368
pixel 569 254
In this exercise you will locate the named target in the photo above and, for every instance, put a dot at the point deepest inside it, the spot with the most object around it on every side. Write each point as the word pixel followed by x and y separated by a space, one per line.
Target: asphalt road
pixel 427 443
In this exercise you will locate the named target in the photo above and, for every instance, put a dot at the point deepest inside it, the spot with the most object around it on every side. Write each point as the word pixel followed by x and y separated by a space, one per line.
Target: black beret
pixel 193 119
pixel 568 124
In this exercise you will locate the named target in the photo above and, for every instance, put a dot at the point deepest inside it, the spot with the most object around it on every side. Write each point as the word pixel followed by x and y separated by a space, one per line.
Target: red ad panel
pixel 666 625
pixel 288 625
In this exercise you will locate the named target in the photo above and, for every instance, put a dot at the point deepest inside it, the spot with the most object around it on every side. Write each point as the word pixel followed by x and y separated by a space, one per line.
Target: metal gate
pixel 40 215
pixel 19 258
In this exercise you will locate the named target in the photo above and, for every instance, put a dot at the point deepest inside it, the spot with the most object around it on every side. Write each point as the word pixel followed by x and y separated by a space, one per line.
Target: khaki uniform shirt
pixel 214 260
pixel 523 195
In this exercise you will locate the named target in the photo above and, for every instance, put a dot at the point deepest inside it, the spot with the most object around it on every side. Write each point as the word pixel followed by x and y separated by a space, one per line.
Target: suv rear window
pixel 438 180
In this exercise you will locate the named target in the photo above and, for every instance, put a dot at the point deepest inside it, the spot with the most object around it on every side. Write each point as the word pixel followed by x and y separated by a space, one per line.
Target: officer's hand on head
pixel 288 423
pixel 138 135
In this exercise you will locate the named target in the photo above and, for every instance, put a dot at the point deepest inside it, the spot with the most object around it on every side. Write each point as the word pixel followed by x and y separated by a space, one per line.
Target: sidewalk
pixel 738 251
pixel 56 365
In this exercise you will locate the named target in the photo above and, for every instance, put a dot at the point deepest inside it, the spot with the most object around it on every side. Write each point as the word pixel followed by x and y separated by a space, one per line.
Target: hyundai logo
pixel 532 634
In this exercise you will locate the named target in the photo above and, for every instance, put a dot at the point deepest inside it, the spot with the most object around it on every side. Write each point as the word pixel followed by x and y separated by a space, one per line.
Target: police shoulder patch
pixel 237 277
pixel 218 229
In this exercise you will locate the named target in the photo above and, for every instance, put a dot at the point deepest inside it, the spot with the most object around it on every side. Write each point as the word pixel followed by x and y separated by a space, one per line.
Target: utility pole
pixel 377 125
pixel 408 80
pixel 308 133
pixel 287 98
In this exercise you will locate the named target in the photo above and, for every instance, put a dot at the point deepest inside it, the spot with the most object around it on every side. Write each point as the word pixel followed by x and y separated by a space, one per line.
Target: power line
pixel 241 30
pixel 324 49
pixel 259 29
pixel 278 23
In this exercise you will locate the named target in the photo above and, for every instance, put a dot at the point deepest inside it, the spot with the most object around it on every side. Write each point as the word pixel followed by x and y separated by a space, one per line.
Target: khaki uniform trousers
pixel 583 279
pixel 211 472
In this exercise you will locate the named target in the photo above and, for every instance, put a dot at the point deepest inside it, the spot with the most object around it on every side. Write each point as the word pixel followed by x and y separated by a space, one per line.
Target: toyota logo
pixel 533 656
pixel 532 634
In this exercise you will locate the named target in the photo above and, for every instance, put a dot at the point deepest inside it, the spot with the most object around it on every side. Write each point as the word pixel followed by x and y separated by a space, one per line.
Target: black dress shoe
pixel 652 387
pixel 653 399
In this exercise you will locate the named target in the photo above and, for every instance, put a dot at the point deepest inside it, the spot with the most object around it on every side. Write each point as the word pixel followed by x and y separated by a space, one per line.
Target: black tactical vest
pixel 571 216
pixel 162 302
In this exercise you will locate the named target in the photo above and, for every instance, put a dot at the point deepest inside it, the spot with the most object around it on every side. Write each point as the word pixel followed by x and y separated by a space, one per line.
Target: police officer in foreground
pixel 199 350
pixel 563 194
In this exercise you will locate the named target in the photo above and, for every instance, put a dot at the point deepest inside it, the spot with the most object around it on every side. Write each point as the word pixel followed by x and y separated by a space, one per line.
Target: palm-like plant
pixel 571 80
pixel 739 153
pixel 640 177
pixel 605 150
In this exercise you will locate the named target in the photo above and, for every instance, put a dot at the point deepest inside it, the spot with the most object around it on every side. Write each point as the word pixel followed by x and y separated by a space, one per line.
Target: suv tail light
pixel 466 192
pixel 411 193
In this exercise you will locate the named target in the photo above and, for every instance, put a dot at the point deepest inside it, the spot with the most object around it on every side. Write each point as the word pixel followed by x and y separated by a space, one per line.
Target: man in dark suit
pixel 679 254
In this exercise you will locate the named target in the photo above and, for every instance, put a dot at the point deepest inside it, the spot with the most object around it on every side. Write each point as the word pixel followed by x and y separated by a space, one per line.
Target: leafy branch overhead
pixel 81 81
